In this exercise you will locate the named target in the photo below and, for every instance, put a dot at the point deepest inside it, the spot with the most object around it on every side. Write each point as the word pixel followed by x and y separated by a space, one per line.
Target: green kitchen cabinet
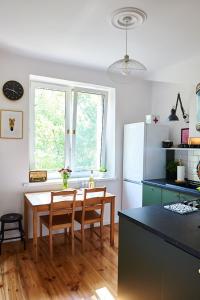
pixel 170 196
pixel 151 195
pixel 160 195
pixel 187 197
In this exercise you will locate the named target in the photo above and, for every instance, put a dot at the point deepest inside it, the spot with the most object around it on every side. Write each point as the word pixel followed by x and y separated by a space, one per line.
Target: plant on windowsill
pixel 102 172
pixel 65 174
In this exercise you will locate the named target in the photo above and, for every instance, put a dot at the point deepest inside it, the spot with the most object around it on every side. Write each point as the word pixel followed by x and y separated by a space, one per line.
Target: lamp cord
pixel 126 36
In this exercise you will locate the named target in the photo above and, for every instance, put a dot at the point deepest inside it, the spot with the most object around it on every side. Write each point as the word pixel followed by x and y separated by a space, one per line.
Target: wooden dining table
pixel 40 202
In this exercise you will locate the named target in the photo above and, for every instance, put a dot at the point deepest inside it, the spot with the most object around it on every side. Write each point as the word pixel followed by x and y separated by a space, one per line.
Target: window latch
pixel 73 131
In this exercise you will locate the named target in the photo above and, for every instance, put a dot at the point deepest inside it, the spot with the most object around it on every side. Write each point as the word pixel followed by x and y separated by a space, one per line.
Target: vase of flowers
pixel 65 173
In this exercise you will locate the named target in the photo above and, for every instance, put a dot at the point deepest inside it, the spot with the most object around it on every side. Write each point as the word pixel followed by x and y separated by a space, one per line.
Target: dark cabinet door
pixel 152 269
pixel 140 263
pixel 181 275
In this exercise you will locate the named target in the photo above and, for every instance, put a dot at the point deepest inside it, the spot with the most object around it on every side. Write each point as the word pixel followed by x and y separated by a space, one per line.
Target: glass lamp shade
pixel 122 70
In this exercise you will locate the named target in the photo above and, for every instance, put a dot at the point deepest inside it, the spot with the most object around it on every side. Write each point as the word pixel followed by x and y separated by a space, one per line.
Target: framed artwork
pixel 11 124
pixel 184 135
pixel 37 176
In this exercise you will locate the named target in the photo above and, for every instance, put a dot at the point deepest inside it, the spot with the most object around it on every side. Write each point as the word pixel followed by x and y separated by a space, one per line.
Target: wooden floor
pixel 92 275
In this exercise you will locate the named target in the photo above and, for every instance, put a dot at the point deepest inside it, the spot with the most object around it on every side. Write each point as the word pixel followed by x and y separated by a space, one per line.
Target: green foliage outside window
pixel 88 131
pixel 50 129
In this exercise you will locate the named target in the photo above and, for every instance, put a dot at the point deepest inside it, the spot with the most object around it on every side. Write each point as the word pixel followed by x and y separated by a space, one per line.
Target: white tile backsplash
pixel 190 159
pixel 196 152
pixel 193 160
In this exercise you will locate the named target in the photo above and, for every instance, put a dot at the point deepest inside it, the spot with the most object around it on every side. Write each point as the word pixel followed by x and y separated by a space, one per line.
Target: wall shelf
pixel 181 149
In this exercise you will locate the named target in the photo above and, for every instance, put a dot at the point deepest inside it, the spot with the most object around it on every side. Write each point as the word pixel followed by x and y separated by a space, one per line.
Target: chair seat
pixel 89 216
pixel 57 220
pixel 11 218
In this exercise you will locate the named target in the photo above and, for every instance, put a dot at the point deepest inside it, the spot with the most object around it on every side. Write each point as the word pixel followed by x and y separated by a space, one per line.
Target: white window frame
pixel 69 110
pixel 104 123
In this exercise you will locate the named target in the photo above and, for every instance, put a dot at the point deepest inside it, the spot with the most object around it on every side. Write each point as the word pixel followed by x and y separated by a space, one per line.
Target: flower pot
pixel 102 174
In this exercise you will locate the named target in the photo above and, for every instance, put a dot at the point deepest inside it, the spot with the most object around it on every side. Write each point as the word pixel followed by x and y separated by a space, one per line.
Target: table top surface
pixel 44 198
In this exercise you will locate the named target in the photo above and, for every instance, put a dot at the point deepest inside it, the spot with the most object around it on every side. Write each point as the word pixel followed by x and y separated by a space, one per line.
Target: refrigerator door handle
pixel 132 181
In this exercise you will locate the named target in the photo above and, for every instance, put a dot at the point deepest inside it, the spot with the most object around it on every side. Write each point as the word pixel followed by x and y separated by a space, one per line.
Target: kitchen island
pixel 159 255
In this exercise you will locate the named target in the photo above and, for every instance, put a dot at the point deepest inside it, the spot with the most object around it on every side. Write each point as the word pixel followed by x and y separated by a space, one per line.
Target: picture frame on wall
pixel 184 135
pixel 11 124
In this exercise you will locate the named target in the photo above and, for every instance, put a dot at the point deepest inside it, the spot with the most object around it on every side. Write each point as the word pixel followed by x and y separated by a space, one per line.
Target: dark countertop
pixel 180 230
pixel 170 185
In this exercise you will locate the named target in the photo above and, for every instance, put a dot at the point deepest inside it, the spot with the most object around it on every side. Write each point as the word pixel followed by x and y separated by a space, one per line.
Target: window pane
pixel 88 131
pixel 49 129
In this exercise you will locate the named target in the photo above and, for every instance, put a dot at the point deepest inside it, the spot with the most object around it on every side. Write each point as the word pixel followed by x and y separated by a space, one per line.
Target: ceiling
pixel 80 32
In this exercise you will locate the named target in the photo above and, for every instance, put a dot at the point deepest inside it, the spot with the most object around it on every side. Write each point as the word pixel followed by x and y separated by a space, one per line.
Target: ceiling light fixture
pixel 126 18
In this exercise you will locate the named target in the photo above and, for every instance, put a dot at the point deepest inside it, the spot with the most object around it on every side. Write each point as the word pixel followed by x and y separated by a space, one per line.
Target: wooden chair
pixel 61 215
pixel 92 212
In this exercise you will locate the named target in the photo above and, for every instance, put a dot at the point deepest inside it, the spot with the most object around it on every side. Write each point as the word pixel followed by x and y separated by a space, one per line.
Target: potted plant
pixel 103 171
pixel 171 169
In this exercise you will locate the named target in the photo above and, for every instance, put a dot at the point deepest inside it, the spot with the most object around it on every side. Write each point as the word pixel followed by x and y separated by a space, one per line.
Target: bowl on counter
pixel 167 144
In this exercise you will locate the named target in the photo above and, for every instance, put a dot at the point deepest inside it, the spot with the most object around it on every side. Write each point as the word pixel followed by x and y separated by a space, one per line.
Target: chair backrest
pixel 94 200
pixel 62 202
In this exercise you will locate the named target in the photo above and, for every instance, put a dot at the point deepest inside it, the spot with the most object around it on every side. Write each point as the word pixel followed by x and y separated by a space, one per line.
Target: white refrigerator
pixel 143 158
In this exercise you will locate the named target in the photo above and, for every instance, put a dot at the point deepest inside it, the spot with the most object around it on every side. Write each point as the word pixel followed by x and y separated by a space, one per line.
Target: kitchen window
pixel 68 128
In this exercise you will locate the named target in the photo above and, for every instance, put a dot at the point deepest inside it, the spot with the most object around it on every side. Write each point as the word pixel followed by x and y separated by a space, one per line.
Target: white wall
pixel 132 103
pixel 183 78
pixel 186 72
pixel 164 96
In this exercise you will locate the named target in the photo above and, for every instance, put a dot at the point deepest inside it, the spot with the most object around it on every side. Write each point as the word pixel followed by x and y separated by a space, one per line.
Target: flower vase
pixel 65 181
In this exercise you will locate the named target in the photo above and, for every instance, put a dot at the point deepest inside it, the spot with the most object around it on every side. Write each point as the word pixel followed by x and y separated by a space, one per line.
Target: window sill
pixel 57 182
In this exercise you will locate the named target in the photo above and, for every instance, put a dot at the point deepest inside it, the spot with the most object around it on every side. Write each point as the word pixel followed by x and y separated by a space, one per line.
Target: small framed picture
pixel 184 135
pixel 11 124
pixel 37 176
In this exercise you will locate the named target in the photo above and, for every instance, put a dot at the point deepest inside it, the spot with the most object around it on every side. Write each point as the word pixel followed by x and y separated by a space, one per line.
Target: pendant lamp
pixel 123 69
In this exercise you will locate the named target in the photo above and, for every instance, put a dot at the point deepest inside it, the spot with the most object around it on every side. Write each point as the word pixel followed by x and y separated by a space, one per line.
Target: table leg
pixel 112 221
pixel 25 219
pixel 35 231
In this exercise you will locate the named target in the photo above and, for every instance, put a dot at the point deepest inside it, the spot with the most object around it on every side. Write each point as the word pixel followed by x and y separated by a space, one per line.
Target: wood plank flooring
pixel 88 276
